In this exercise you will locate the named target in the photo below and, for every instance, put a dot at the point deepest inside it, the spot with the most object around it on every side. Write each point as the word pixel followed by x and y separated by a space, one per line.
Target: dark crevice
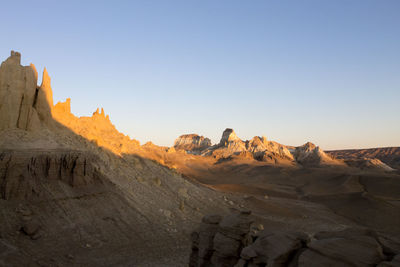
pixel 4 179
pixel 35 98
pixel 73 165
pixel 20 109
pixel 48 163
pixel 293 256
pixel 84 168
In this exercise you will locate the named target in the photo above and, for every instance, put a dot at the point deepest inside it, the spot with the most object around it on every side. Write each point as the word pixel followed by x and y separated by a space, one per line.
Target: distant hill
pixel 388 155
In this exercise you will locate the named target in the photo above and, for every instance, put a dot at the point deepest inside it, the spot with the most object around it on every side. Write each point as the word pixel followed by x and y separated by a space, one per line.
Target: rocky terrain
pixel 74 191
pixel 236 240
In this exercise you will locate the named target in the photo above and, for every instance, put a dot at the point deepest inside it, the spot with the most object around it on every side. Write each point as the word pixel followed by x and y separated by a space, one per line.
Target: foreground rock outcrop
pixel 234 241
pixel 23 104
pixel 219 240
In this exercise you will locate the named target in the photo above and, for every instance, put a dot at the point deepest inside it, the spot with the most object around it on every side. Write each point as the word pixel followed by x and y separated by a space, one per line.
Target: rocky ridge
pixel 97 128
pixel 261 149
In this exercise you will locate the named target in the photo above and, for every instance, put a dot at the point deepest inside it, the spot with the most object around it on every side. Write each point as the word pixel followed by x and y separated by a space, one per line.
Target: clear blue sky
pixel 294 71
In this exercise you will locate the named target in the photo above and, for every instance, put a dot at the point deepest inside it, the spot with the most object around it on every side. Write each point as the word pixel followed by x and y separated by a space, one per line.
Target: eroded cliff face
pixel 24 173
pixel 23 104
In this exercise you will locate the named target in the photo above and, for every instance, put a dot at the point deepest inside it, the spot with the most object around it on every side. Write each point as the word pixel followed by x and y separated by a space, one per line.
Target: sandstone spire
pixel 46 88
pixel 18 94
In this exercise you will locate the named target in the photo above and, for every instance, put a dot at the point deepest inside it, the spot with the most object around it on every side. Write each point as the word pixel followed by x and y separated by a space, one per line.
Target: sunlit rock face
pixel 230 144
pixel 97 128
pixel 310 154
pixel 192 143
pixel 228 136
pixel 268 151
pixel 258 148
pixel 23 104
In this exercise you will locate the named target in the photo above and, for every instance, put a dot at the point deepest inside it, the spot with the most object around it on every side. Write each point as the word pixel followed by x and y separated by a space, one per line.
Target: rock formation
pixel 192 143
pixel 23 104
pixel 97 128
pixel 312 155
pixel 272 152
pixel 229 145
pixel 218 240
pixel 228 136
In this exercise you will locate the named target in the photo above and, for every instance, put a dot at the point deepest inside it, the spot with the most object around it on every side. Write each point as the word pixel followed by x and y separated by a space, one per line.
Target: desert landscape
pixel 77 192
